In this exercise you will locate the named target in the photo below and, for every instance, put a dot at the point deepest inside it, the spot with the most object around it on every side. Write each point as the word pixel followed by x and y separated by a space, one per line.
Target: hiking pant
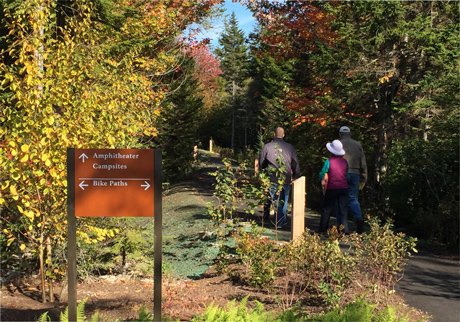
pixel 330 198
pixel 280 202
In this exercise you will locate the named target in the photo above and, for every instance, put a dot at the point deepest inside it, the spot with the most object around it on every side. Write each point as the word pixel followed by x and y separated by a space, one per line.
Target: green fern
pixel 388 314
pixel 64 316
pixel 144 315
pixel 44 318
pixel 361 311
pixel 81 317
pixel 235 313
pixel 97 317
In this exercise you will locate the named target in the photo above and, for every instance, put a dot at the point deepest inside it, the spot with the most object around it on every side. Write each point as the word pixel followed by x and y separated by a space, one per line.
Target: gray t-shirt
pixel 280 151
pixel 354 154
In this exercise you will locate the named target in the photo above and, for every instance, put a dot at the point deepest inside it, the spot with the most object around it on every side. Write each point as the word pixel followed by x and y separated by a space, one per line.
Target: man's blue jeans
pixel 280 203
pixel 353 204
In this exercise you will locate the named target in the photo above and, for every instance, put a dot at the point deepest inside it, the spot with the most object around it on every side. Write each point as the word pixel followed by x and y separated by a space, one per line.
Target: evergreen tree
pixel 272 77
pixel 234 56
pixel 178 122
pixel 389 70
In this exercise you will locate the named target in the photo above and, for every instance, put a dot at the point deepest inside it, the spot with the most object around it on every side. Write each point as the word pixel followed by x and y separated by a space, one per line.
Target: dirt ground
pixel 189 285
pixel 121 299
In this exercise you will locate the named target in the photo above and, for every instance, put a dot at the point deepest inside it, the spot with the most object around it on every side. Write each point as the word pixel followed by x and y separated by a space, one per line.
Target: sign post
pixel 298 208
pixel 114 183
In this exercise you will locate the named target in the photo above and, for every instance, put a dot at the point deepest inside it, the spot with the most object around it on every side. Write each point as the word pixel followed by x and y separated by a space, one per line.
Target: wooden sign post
pixel 114 183
pixel 298 208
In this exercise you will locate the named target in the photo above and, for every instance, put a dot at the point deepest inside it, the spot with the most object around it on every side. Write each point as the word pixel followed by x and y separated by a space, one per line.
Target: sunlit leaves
pixel 93 86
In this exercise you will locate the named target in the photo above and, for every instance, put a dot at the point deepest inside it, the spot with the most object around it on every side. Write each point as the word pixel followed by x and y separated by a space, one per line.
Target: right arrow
pixel 146 185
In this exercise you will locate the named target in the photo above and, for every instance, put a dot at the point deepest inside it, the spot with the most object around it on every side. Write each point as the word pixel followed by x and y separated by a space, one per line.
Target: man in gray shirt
pixel 357 169
pixel 279 158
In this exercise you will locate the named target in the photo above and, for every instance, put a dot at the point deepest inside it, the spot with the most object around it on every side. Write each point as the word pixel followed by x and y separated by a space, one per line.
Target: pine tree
pixel 233 52
pixel 178 122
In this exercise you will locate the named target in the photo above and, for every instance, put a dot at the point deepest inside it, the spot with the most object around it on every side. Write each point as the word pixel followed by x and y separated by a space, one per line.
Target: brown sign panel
pixel 114 183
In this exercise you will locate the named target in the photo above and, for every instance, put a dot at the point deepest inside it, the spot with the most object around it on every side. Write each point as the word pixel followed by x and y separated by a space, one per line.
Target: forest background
pixel 131 74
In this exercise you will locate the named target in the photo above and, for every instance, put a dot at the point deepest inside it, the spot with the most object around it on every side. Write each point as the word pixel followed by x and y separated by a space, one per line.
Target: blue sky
pixel 245 22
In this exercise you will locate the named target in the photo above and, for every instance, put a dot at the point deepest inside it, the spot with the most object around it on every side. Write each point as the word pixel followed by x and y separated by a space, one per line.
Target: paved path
pixel 430 283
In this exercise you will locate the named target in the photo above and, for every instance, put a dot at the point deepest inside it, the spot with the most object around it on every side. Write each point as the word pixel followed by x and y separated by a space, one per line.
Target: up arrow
pixel 146 185
pixel 83 156
pixel 81 185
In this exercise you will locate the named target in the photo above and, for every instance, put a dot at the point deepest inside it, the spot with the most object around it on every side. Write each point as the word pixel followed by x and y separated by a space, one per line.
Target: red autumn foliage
pixel 207 65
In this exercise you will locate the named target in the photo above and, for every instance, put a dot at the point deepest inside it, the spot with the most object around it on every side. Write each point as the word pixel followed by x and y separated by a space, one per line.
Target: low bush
pixel 381 255
pixel 258 255
pixel 309 266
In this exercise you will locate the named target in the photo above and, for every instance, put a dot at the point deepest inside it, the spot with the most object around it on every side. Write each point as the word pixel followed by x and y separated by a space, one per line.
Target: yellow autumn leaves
pixel 27 154
pixel 13 192
pixel 28 213
pixel 101 234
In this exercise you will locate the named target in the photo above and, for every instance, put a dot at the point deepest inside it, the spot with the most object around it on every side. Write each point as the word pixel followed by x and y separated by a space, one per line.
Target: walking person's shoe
pixel 282 222
pixel 359 226
pixel 281 225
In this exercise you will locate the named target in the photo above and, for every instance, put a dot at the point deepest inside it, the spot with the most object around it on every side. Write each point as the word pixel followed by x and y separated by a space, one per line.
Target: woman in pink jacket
pixel 333 177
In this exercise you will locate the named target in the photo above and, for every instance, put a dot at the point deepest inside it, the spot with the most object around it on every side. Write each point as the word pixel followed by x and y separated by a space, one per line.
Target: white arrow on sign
pixel 81 185
pixel 146 185
pixel 83 156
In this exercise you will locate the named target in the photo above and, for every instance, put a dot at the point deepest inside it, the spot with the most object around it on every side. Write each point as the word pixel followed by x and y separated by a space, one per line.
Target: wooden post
pixel 195 152
pixel 210 145
pixel 298 208
pixel 256 165
pixel 158 235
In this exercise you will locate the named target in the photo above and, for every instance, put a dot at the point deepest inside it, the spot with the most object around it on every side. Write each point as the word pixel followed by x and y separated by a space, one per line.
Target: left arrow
pixel 83 156
pixel 81 185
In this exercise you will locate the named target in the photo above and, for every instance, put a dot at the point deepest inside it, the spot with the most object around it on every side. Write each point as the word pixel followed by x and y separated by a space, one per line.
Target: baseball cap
pixel 344 129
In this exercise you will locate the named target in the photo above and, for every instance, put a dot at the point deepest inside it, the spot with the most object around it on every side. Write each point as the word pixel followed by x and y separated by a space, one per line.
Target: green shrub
pixel 127 252
pixel 258 255
pixel 309 263
pixel 226 192
pixel 381 253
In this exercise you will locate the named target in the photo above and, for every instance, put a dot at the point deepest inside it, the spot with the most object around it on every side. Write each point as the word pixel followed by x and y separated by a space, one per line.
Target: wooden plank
pixel 298 207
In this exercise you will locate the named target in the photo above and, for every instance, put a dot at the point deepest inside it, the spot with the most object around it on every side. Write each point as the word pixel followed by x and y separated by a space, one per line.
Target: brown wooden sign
pixel 114 182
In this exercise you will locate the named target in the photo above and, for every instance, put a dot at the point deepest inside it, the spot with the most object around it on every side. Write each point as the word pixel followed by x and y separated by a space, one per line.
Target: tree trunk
pixel 49 261
pixel 19 261
pixel 42 267
pixel 385 133
pixel 64 290
pixel 232 146
pixel 123 260
pixel 39 57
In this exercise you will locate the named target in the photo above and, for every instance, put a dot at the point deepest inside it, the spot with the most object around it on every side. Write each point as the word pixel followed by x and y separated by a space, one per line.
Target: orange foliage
pixel 293 28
